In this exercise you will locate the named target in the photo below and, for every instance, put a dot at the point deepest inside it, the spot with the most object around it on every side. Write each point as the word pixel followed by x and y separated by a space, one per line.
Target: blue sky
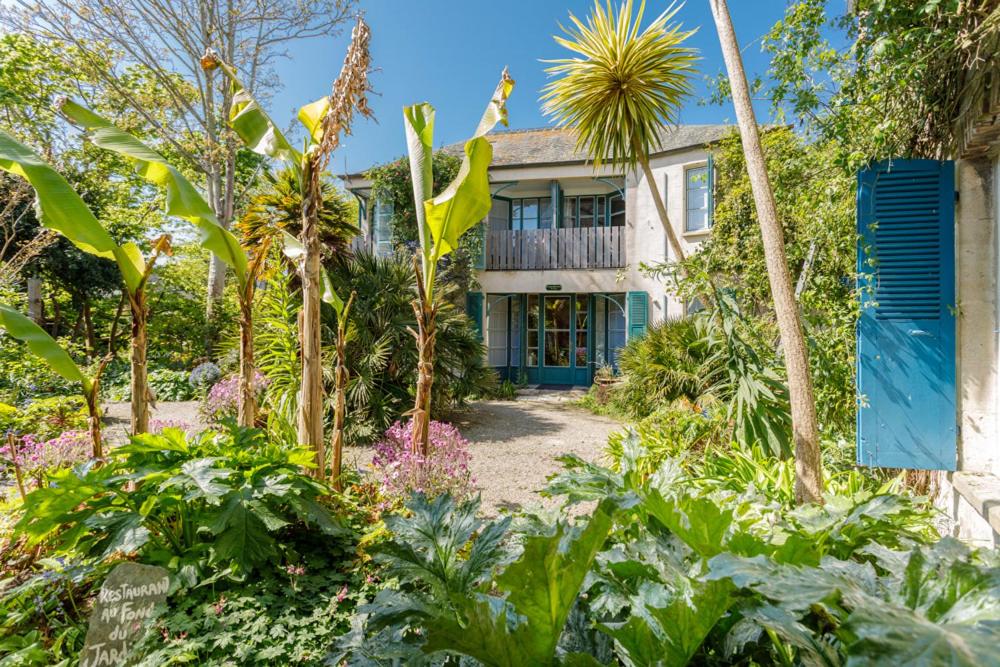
pixel 450 53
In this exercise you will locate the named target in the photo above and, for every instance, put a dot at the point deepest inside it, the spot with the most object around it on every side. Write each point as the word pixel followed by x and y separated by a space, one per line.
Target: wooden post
pixel 139 381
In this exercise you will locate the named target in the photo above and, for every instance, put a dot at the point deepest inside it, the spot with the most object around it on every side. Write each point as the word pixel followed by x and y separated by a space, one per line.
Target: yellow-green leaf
pixel 62 209
pixel 183 200
pixel 43 345
pixel 467 200
pixel 255 127
pixel 311 115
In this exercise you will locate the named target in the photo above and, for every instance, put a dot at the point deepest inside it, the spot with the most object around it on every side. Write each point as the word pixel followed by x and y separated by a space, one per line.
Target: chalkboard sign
pixel 128 598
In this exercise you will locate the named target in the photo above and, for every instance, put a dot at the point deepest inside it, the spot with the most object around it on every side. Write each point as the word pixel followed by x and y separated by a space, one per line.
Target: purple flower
pixel 36 456
pixel 445 469
pixel 223 399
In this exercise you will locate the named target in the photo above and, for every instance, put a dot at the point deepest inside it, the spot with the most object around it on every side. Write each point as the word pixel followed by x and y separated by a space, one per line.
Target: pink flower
pixel 342 594
pixel 445 469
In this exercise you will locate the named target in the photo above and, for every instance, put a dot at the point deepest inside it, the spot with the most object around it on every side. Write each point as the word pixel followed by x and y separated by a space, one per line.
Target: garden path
pixel 514 444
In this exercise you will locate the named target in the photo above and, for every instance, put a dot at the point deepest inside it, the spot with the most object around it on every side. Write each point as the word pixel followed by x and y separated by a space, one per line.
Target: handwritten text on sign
pixel 128 598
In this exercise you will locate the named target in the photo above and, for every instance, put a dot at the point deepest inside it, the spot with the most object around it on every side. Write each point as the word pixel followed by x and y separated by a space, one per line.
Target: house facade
pixel 929 332
pixel 562 284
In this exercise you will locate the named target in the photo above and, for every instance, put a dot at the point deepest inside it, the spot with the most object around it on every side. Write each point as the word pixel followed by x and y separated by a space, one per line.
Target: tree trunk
pixel 94 423
pixel 808 470
pixel 35 311
pixel 139 382
pixel 311 398
pixel 425 334
pixel 247 414
pixel 661 210
pixel 89 329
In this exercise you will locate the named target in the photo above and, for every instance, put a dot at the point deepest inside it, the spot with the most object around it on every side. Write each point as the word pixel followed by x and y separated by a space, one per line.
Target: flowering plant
pixel 445 469
pixel 204 376
pixel 222 400
pixel 36 456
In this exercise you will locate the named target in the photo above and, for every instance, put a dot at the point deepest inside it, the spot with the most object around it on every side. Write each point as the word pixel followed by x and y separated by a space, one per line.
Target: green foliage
pixel 48 417
pixel 285 614
pixel 381 356
pixel 170 385
pixel 213 500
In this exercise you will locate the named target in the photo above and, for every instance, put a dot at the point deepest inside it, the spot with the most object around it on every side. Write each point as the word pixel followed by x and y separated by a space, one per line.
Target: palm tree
pixel 808 468
pixel 622 89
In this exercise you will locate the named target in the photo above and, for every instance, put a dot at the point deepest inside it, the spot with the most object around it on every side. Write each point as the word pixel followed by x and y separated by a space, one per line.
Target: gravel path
pixel 514 443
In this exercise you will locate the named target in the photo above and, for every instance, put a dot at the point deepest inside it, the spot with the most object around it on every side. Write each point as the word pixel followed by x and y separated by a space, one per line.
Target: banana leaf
pixel 255 127
pixel 294 250
pixel 43 345
pixel 466 200
pixel 62 209
pixel 183 200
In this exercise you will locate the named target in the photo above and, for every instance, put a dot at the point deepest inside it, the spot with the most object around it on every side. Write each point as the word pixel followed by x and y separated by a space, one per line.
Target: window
pixel 557 329
pixel 586 212
pixel 382 229
pixel 609 328
pixel 581 330
pixel 616 210
pixel 534 213
pixel 594 211
pixel 496 330
pixel 696 217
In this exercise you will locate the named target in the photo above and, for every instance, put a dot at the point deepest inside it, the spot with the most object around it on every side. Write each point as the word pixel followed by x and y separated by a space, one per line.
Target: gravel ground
pixel 514 443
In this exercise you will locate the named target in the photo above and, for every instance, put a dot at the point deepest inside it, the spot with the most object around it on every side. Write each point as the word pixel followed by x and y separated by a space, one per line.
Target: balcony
pixel 563 248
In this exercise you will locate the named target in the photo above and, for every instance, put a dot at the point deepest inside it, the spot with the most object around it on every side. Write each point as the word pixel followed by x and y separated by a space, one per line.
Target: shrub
pixel 401 473
pixel 216 500
pixel 222 401
pixel 204 376
pixel 170 385
pixel 37 457
pixel 46 418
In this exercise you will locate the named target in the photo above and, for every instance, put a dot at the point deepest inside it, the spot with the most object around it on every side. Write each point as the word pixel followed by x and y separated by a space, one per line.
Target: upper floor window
pixel 382 229
pixel 697 216
pixel 593 211
pixel 534 213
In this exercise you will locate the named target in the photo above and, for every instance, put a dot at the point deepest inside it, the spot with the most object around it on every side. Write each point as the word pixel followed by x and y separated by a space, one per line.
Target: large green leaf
pixel 183 200
pixel 255 127
pixel 544 583
pixel 43 345
pixel 62 209
pixel 418 120
pixel 466 200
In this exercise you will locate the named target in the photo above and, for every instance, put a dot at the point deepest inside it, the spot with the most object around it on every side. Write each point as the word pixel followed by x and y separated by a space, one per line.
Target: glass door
pixel 564 339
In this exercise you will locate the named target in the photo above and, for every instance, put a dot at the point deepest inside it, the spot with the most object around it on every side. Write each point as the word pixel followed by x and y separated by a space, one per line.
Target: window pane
pixel 581 349
pixel 617 211
pixel 515 331
pixel 557 348
pixel 529 214
pixel 569 212
pixel 533 357
pixel 545 213
pixel 602 220
pixel 532 311
pixel 496 331
pixel 696 220
pixel 586 211
pixel 581 313
pixel 532 338
pixel 515 214
pixel 557 312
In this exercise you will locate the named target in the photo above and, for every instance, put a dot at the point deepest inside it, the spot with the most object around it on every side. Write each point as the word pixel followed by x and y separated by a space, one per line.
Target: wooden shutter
pixel 638 313
pixel 906 330
pixel 474 309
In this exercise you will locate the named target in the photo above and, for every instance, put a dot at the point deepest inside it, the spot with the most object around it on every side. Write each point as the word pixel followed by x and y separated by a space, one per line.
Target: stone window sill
pixel 982 491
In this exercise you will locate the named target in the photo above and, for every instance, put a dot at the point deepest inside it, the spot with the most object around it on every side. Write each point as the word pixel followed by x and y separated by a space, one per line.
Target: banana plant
pixel 47 349
pixel 295 251
pixel 62 209
pixel 184 201
pixel 324 120
pixel 441 220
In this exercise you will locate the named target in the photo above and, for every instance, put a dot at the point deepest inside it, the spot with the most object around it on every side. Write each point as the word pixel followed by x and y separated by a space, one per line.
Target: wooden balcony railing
pixel 566 248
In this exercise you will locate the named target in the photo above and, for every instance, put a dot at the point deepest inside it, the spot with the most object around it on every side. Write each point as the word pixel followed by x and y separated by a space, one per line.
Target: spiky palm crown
pixel 625 84
pixel 278 205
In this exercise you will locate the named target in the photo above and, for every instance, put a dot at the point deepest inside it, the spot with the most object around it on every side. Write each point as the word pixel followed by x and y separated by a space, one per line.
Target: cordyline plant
pixel 325 120
pixel 47 349
pixel 61 209
pixel 441 220
pixel 624 87
pixel 184 201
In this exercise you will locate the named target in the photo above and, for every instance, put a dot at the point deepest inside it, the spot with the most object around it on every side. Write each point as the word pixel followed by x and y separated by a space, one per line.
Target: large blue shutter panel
pixel 906 331
pixel 474 309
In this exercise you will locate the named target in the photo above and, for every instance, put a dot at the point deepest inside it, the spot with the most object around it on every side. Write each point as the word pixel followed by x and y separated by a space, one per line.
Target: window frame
pixel 709 221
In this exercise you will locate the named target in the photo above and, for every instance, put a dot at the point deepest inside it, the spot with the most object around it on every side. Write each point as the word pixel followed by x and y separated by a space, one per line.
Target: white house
pixel 562 285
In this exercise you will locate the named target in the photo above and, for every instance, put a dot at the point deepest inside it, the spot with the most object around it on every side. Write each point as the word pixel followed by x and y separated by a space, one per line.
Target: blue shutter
pixel 474 309
pixel 906 330
pixel 638 313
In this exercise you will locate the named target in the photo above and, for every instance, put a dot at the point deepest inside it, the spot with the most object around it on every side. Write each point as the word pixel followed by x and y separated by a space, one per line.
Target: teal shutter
pixel 638 313
pixel 474 309
pixel 906 330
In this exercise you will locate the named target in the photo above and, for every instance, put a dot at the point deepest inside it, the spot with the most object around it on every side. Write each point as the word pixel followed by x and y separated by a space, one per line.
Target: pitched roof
pixel 557 146
pixel 549 145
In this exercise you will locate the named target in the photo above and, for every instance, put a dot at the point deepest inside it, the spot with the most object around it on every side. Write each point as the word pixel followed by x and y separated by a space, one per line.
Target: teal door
pixel 564 354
